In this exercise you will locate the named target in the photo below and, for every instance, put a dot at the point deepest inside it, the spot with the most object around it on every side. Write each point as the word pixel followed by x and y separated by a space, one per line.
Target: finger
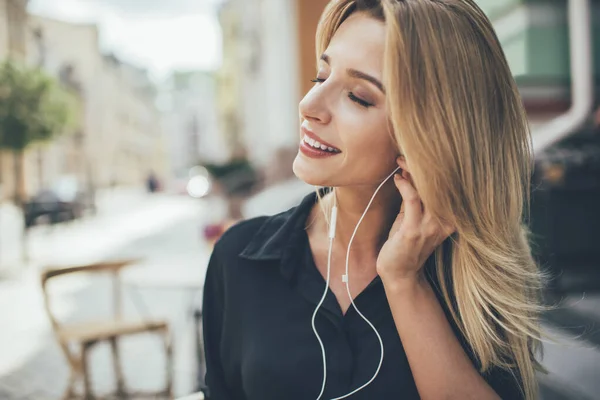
pixel 436 228
pixel 411 202
pixel 448 229
pixel 402 206
pixel 397 223
pixel 404 167
pixel 401 213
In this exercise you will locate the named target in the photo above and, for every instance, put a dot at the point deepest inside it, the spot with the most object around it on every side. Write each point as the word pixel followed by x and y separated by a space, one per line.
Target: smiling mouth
pixel 319 146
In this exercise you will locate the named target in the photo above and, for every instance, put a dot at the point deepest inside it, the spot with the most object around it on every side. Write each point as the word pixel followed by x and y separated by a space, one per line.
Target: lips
pixel 311 139
pixel 314 147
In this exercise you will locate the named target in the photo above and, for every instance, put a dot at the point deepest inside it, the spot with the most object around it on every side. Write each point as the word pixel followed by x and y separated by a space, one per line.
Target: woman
pixel 440 267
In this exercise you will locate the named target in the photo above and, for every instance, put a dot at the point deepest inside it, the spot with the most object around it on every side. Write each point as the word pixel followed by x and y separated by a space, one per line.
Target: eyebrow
pixel 357 74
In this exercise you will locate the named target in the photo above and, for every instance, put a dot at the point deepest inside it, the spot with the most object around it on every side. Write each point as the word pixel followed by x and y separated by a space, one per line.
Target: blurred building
pixel 119 139
pixel 188 100
pixel 535 38
pixel 64 156
pixel 134 140
pixel 13 21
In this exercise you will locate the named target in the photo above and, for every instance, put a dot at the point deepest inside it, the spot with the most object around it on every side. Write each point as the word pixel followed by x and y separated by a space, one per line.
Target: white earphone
pixel 346 279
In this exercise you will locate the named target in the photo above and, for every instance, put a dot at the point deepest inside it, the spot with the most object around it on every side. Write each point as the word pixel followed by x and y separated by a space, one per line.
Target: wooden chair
pixel 85 335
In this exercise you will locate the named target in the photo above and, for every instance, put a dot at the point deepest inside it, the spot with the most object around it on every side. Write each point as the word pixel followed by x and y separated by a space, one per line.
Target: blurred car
pixel 65 200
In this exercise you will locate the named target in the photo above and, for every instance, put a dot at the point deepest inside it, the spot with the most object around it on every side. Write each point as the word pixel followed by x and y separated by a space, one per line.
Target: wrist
pixel 406 284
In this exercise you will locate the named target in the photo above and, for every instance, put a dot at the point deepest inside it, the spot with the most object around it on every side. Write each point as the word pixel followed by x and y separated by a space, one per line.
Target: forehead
pixel 359 43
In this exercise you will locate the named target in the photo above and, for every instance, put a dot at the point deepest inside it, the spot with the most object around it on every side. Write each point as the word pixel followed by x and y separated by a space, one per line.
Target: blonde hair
pixel 458 119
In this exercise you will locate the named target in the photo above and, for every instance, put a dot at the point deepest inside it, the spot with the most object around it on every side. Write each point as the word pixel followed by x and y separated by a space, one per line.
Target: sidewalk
pixel 572 365
pixel 574 361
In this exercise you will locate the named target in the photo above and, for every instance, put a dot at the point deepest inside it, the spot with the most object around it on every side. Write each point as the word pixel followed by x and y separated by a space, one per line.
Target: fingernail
pixel 397 176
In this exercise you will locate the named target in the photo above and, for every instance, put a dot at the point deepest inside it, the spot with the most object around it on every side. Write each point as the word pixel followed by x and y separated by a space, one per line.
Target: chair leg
pixel 87 387
pixel 121 392
pixel 69 391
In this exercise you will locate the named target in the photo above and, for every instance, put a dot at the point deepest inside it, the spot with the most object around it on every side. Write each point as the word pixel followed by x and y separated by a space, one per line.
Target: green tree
pixel 33 108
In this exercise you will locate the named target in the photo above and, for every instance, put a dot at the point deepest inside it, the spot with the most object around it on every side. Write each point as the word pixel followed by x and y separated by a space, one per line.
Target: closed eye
pixel 351 95
pixel 358 100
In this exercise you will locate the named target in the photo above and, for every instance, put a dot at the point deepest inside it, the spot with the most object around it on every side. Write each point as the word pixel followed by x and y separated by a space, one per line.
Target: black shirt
pixel 261 289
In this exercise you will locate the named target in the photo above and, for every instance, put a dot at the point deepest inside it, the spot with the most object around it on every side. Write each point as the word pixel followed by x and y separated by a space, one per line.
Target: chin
pixel 309 173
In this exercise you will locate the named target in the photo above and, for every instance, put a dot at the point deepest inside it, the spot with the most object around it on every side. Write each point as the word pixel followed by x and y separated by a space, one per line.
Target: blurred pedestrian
pixel 409 275
pixel 152 183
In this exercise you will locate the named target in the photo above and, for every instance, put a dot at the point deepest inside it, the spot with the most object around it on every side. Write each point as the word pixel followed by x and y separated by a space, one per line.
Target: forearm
pixel 440 366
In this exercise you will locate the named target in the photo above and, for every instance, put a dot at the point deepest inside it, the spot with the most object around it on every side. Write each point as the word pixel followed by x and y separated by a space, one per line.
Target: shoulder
pixel 260 238
pixel 225 253
pixel 239 235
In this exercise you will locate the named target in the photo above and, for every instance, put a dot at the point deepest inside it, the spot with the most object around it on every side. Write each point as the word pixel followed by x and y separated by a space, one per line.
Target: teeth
pixel 317 145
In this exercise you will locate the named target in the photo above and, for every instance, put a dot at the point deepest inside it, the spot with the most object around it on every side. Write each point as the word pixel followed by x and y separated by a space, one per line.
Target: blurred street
pixel 165 285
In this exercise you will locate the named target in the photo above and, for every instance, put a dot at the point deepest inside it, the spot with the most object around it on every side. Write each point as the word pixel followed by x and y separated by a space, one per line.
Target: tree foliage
pixel 33 107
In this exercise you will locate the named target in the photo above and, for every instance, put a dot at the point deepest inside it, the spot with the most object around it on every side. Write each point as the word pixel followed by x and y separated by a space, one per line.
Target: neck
pixel 374 228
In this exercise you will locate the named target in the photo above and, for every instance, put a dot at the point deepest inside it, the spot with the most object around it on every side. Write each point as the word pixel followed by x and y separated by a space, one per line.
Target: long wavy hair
pixel 458 119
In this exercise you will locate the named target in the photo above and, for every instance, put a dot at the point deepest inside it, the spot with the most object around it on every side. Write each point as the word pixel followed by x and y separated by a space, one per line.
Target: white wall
pixel 270 94
pixel 281 70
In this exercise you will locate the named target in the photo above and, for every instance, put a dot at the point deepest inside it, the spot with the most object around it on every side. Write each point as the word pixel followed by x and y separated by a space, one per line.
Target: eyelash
pixel 351 95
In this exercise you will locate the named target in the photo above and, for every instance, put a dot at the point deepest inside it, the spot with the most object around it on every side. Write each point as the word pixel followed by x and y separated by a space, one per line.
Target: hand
pixel 414 236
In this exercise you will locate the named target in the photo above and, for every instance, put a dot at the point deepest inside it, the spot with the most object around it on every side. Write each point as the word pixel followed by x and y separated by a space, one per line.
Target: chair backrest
pixel 113 267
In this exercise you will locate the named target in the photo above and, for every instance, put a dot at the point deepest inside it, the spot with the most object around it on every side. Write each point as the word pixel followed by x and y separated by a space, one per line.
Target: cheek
pixel 369 134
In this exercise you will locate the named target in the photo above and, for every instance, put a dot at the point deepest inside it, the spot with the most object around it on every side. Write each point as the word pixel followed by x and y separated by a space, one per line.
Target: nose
pixel 313 107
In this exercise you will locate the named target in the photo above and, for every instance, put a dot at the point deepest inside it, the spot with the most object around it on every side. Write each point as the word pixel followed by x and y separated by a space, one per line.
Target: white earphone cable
pixel 332 224
pixel 346 279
